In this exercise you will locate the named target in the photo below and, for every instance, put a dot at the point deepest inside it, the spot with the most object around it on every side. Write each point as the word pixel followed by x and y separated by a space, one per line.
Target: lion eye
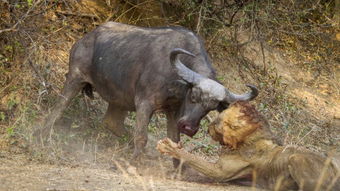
pixel 233 127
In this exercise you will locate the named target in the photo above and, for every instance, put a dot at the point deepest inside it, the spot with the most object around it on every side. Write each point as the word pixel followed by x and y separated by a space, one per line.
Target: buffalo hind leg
pixel 114 120
pixel 144 112
pixel 71 88
pixel 173 132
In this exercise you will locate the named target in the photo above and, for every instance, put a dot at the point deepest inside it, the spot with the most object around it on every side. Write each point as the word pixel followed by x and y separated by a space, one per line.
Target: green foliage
pixel 9 48
pixel 11 103
pixel 220 78
pixel 29 2
pixel 10 131
pixel 124 139
pixel 2 116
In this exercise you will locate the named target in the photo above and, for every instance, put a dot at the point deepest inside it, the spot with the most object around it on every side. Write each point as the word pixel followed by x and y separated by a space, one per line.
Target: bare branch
pixel 14 27
pixel 77 14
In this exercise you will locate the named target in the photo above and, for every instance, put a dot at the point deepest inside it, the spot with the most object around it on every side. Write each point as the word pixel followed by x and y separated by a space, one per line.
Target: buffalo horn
pixel 231 97
pixel 184 72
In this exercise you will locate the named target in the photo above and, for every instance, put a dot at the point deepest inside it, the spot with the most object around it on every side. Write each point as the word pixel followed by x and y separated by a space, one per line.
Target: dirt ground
pixel 23 175
pixel 105 169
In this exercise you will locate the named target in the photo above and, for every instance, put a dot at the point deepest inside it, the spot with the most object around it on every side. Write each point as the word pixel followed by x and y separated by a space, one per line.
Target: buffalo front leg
pixel 173 132
pixel 114 120
pixel 143 114
pixel 71 88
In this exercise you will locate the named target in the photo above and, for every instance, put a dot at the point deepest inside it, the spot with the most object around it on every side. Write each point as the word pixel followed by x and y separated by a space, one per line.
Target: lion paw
pixel 166 146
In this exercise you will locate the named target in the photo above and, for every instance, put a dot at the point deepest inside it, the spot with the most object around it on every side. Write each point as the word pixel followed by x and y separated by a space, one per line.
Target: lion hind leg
pixel 313 172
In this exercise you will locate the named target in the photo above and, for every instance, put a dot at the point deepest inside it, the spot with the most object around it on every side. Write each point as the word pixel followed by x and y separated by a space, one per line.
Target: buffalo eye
pixel 195 95
pixel 210 104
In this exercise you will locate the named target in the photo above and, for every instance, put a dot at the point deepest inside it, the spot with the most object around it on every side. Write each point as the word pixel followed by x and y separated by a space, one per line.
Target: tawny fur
pixel 251 150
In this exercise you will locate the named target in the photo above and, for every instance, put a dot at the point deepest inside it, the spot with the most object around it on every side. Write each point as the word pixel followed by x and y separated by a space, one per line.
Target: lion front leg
pixel 213 170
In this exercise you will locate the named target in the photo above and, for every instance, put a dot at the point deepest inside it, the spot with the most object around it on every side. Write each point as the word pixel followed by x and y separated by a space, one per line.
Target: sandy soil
pixel 18 173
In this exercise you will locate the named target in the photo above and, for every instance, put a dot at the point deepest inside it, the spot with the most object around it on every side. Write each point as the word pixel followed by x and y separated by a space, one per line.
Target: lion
pixel 252 152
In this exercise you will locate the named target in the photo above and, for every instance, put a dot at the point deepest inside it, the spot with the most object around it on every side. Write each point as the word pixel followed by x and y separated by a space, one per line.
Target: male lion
pixel 256 154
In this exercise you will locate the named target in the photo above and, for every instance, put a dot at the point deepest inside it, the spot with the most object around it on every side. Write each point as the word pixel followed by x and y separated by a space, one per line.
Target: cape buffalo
pixel 140 69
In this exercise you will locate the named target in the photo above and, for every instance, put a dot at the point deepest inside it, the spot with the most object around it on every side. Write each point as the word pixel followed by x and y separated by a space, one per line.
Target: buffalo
pixel 141 69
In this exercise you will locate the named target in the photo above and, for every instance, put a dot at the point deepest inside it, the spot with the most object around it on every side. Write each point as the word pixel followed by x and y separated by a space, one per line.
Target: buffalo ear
pixel 222 106
pixel 178 88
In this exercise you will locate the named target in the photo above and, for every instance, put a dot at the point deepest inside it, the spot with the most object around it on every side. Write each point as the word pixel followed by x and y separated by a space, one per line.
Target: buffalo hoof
pixel 43 135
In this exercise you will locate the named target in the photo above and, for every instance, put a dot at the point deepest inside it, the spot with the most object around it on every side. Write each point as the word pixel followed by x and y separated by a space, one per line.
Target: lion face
pixel 235 123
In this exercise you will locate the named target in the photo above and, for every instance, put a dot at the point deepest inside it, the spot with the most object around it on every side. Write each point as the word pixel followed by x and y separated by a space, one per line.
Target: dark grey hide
pixel 141 69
